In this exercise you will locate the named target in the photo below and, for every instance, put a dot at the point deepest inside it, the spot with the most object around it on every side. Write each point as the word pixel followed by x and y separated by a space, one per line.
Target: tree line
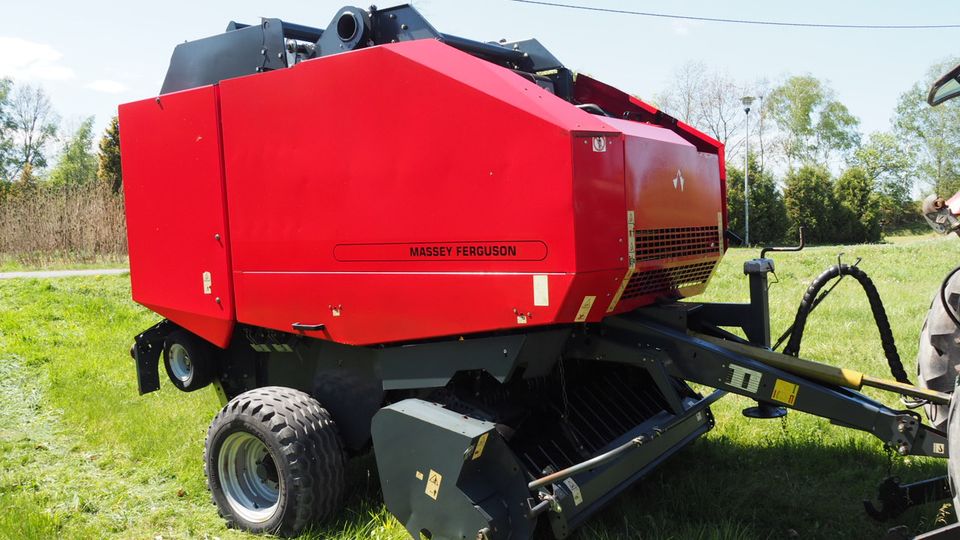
pixel 31 137
pixel 810 166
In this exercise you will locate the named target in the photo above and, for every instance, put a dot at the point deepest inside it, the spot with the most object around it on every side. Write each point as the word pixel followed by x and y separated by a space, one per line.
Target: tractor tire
pixel 953 443
pixel 938 356
pixel 274 462
pixel 188 360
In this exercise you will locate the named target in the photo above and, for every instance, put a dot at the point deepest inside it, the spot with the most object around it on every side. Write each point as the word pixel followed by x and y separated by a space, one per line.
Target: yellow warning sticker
pixel 785 392
pixel 433 484
pixel 585 307
pixel 419 475
pixel 481 442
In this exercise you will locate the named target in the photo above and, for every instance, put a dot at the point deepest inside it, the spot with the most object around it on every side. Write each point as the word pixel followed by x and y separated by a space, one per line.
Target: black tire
pixel 188 361
pixel 953 442
pixel 305 466
pixel 938 356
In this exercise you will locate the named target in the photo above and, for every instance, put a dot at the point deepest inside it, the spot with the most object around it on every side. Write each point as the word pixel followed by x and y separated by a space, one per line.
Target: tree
pixel 813 125
pixel 108 158
pixel 77 165
pixel 768 215
pixel 34 124
pixel 889 165
pixel 707 100
pixel 857 216
pixel 6 130
pixel 932 133
pixel 810 203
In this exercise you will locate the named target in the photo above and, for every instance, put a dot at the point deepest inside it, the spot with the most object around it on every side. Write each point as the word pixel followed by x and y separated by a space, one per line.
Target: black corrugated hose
pixel 876 306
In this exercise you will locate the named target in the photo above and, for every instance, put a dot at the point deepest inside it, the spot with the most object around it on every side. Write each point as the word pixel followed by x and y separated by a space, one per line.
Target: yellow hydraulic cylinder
pixel 824 373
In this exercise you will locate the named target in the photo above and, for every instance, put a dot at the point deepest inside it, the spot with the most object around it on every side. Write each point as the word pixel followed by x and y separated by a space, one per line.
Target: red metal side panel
pixel 176 215
pixel 405 192
pixel 677 200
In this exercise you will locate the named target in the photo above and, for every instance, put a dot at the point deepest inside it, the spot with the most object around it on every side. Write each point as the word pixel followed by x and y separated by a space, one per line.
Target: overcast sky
pixel 95 54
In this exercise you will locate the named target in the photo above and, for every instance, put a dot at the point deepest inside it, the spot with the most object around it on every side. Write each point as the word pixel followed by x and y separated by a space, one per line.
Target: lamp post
pixel 747 101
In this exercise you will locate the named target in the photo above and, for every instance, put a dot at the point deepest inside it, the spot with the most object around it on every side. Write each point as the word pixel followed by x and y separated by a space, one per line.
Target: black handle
pixel 308 327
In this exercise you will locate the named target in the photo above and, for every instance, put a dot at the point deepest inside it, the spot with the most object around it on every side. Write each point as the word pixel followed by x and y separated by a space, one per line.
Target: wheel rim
pixel 248 475
pixel 180 363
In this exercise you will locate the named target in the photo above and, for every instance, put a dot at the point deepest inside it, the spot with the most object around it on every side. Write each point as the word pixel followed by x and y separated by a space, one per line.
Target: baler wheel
pixel 274 461
pixel 188 361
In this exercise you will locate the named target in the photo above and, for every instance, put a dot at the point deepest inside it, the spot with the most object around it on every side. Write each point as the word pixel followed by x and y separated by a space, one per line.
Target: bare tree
pixel 34 125
pixel 709 101
pixel 682 99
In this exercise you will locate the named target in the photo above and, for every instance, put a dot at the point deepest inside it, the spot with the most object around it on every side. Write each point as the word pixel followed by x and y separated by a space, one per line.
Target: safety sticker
pixel 785 392
pixel 419 475
pixel 743 378
pixel 585 307
pixel 541 290
pixel 631 260
pixel 433 484
pixel 599 144
pixel 207 283
pixel 939 448
pixel 575 490
pixel 481 442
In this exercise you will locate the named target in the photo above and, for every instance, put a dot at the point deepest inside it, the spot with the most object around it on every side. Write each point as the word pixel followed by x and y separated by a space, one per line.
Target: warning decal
pixel 574 490
pixel 481 442
pixel 585 307
pixel 743 378
pixel 785 392
pixel 433 484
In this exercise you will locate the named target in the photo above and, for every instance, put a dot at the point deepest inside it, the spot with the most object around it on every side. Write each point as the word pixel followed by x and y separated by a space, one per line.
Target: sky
pixel 91 56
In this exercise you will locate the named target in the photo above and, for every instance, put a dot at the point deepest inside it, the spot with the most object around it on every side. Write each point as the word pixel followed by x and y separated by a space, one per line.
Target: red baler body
pixel 410 191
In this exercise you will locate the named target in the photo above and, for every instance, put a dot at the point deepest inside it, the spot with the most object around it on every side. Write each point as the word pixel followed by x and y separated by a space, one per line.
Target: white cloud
pixel 106 86
pixel 31 61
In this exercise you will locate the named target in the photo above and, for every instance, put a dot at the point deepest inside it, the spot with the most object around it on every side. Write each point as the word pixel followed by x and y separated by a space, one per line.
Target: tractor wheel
pixel 274 461
pixel 953 446
pixel 938 356
pixel 188 361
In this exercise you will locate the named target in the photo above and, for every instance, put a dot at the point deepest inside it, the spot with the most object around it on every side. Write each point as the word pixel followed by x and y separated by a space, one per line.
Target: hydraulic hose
pixel 876 306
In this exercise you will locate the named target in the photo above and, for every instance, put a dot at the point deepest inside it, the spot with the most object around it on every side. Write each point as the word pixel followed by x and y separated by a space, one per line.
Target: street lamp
pixel 747 101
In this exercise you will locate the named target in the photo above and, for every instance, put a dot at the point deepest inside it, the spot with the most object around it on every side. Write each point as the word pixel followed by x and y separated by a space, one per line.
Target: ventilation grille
pixel 655 244
pixel 668 279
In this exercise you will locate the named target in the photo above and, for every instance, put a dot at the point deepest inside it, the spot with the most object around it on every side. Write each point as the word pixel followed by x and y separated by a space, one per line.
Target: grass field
pixel 83 456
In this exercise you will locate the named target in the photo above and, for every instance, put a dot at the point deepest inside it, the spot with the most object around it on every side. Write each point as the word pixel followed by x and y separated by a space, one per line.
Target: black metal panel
pixel 147 347
pixel 232 54
pixel 540 59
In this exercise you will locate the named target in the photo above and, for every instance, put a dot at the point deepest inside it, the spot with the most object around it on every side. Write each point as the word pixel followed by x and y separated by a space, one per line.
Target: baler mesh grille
pixel 668 279
pixel 655 244
pixel 601 407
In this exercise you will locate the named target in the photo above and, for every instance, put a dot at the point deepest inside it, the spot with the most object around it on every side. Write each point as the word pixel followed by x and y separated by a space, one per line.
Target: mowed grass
pixel 83 456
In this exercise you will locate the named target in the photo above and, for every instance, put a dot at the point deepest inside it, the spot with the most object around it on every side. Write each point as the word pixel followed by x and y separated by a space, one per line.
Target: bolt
pixel 903 449
pixel 403 27
pixel 901 428
pixel 217 299
pixel 216 237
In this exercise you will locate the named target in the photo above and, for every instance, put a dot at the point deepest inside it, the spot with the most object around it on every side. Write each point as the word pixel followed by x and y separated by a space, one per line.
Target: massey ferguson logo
pixel 599 144
pixel 678 181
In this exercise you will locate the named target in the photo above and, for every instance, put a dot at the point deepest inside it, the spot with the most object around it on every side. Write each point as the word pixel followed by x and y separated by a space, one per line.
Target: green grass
pixel 83 456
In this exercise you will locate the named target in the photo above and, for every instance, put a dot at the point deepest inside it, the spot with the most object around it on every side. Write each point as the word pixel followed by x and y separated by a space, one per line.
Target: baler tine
pixel 459 254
